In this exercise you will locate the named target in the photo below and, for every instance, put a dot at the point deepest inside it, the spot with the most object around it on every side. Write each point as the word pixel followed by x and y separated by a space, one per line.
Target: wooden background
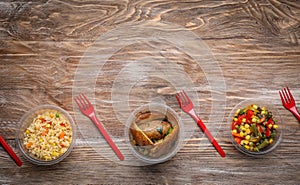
pixel 256 44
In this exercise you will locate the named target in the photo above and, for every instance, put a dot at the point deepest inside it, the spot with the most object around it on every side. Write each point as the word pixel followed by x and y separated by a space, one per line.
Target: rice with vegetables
pixel 49 136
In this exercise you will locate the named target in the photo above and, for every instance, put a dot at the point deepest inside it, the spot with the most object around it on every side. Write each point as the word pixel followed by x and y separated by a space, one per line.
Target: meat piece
pixel 139 137
pixel 149 116
pixel 156 129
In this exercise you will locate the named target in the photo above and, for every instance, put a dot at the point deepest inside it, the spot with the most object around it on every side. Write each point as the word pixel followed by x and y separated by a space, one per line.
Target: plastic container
pixel 27 120
pixel 162 122
pixel 276 116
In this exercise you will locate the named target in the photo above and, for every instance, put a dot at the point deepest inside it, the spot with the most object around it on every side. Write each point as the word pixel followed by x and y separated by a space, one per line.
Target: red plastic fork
pixel 288 101
pixel 87 109
pixel 188 107
pixel 10 151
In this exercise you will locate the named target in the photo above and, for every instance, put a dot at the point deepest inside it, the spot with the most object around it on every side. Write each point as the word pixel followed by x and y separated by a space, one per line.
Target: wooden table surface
pixel 123 54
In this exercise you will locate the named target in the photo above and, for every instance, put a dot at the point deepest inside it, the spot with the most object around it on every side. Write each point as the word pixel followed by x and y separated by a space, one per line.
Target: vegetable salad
pixel 48 136
pixel 254 128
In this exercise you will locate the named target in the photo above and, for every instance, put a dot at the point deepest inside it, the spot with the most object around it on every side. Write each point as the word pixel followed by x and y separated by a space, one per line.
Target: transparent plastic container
pixel 27 119
pixel 270 107
pixel 160 150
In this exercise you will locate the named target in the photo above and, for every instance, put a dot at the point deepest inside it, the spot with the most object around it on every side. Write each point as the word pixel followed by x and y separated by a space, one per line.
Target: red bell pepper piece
pixel 270 121
pixel 43 120
pixel 240 118
pixel 237 135
pixel 268 132
pixel 233 125
pixel 260 129
pixel 238 140
pixel 262 120
pixel 250 113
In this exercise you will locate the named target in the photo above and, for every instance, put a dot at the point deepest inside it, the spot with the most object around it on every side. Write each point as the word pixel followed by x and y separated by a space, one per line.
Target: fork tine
pixel 180 98
pixel 284 95
pixel 187 99
pixel 86 100
pixel 78 102
pixel 183 98
pixel 81 101
pixel 281 97
pixel 290 94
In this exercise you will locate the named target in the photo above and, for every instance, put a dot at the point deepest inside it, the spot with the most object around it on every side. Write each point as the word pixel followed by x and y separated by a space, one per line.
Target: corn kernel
pixel 41 140
pixel 63 150
pixel 51 115
pixel 248 131
pixel 275 126
pixel 247 137
pixel 263 112
pixel 242 142
pixel 247 126
pixel 48 125
pixel 27 131
pixel 253 119
pixel 47 157
pixel 234 131
pixel 243 128
pixel 238 111
pixel 254 106
pixel 270 140
pixel 241 134
pixel 247 147
pixel 250 143
pixel 246 142
pixel 235 119
pixel 257 120
pixel 55 154
pixel 270 126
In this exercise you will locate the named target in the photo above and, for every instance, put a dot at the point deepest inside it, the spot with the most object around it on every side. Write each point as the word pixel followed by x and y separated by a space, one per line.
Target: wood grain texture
pixel 255 43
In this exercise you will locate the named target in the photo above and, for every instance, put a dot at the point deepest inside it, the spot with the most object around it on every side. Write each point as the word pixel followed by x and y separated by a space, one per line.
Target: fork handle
pixel 295 112
pixel 10 151
pixel 208 134
pixel 107 137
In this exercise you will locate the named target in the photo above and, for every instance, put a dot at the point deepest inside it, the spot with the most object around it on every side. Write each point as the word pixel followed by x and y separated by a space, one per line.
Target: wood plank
pixel 255 44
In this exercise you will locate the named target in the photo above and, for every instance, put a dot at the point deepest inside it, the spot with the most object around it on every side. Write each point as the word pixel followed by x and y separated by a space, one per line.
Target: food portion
pixel 156 129
pixel 153 134
pixel 254 128
pixel 48 136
